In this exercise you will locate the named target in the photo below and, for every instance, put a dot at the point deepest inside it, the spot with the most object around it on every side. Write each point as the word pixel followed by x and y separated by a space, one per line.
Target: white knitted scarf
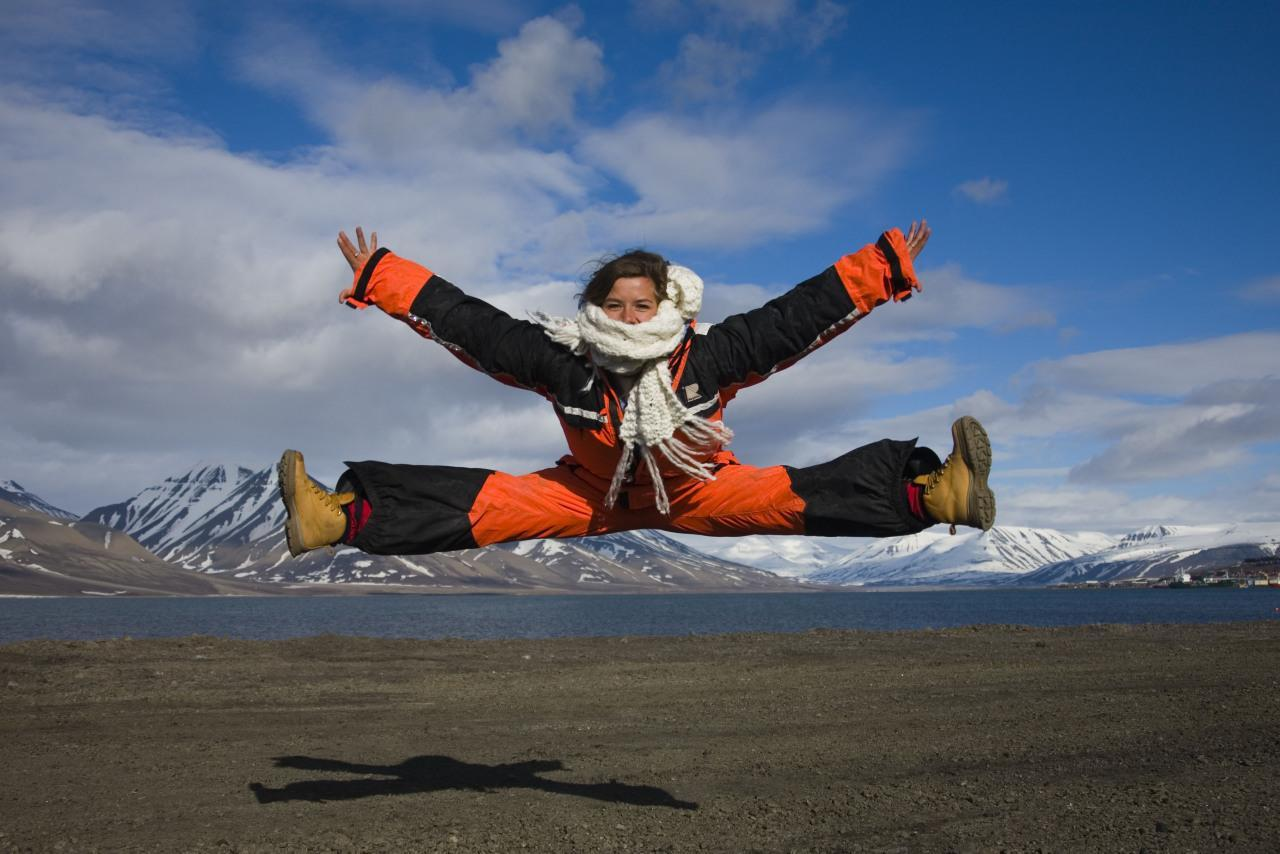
pixel 653 412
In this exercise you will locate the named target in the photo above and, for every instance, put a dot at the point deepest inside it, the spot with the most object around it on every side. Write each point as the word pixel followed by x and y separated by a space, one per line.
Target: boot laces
pixel 939 473
pixel 326 497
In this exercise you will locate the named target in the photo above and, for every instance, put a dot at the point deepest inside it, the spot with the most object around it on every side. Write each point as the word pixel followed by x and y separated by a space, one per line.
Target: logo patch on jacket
pixel 690 393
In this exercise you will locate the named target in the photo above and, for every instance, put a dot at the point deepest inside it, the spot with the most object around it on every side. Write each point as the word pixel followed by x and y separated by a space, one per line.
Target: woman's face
pixel 633 299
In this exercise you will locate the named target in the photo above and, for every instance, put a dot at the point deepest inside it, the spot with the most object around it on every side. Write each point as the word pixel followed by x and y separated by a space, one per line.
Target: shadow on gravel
pixel 435 773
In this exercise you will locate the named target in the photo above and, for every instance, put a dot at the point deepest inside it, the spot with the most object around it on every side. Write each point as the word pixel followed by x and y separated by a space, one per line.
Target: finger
pixel 348 251
pixel 373 242
pixel 921 239
pixel 360 240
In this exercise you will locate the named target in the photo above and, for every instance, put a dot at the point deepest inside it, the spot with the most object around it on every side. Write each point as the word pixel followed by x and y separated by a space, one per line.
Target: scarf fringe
pixel 703 434
pixel 619 474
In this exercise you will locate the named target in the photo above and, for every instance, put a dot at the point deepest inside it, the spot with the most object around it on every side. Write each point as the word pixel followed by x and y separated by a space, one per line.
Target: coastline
pixel 1100 738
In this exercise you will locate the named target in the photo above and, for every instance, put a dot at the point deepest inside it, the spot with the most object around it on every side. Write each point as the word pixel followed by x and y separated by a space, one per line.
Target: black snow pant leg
pixel 861 493
pixel 415 509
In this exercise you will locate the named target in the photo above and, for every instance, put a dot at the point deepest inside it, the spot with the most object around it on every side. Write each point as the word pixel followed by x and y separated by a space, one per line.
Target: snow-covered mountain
pixel 791 556
pixel 1006 555
pixel 229 520
pixel 641 557
pixel 166 517
pixel 1162 551
pixel 13 492
pixel 968 557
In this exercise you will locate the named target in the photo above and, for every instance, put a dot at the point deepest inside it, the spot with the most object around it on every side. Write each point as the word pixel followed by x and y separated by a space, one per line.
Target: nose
pixel 630 316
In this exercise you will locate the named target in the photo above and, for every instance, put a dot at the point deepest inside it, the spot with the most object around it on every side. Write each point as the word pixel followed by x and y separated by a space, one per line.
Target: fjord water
pixel 488 617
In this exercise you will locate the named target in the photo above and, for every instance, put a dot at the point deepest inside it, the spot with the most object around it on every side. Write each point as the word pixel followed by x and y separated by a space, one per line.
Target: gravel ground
pixel 1101 738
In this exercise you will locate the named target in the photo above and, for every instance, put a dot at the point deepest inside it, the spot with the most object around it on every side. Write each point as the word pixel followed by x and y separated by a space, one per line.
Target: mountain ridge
pixel 226 520
pixel 15 493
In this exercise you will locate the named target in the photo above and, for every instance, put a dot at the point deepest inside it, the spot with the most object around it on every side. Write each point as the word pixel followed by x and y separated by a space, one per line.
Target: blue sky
pixel 1102 288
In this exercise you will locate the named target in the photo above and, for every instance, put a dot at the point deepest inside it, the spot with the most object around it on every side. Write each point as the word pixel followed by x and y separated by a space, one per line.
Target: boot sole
pixel 975 450
pixel 288 486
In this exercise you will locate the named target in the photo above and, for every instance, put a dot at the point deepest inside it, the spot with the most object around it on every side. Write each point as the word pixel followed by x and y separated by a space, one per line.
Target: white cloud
pixel 731 179
pixel 128 28
pixel 1154 413
pixel 50 339
pixel 99 56
pixel 531 86
pixel 810 24
pixel 1210 430
pixel 1072 508
pixel 538 74
pixel 803 415
pixel 752 13
pixel 707 69
pixel 1115 511
pixel 734 40
pixel 825 21
pixel 984 191
pixel 1266 289
pixel 951 301
pixel 721 300
pixel 1165 369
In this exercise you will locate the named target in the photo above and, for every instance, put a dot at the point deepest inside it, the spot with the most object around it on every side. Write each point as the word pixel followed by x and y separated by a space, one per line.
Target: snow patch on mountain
pixel 968 557
pixel 789 556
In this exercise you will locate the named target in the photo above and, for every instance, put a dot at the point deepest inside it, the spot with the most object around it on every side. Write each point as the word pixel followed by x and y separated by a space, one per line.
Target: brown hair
pixel 633 262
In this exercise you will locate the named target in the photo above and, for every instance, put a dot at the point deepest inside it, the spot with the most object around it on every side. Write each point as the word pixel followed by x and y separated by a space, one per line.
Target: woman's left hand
pixel 357 256
pixel 917 237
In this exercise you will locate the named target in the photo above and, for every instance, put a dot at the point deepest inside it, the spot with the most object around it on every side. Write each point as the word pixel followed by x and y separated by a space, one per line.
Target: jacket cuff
pixel 879 272
pixel 389 282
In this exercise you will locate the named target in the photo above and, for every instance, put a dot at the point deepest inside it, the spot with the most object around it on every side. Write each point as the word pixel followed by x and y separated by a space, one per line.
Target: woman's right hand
pixel 356 254
pixel 917 237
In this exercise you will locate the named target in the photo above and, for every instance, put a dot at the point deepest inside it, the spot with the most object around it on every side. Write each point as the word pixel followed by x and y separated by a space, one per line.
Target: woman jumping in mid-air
pixel 641 397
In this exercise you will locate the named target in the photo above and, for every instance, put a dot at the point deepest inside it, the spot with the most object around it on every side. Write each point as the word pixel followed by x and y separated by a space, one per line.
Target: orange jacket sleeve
pixel 389 282
pixel 879 272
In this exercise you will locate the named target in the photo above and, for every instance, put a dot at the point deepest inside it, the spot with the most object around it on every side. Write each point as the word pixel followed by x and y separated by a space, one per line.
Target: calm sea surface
pixel 478 617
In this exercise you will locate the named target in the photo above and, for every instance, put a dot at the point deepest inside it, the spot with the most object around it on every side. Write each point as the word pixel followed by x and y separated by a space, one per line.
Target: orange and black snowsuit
pixel 419 509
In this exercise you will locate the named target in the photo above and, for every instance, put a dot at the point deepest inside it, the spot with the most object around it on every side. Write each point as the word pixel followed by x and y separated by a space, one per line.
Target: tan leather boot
pixel 958 493
pixel 313 515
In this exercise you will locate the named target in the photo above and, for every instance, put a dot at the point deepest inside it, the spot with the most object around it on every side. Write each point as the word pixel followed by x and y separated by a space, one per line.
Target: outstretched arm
pixel 748 347
pixel 481 336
